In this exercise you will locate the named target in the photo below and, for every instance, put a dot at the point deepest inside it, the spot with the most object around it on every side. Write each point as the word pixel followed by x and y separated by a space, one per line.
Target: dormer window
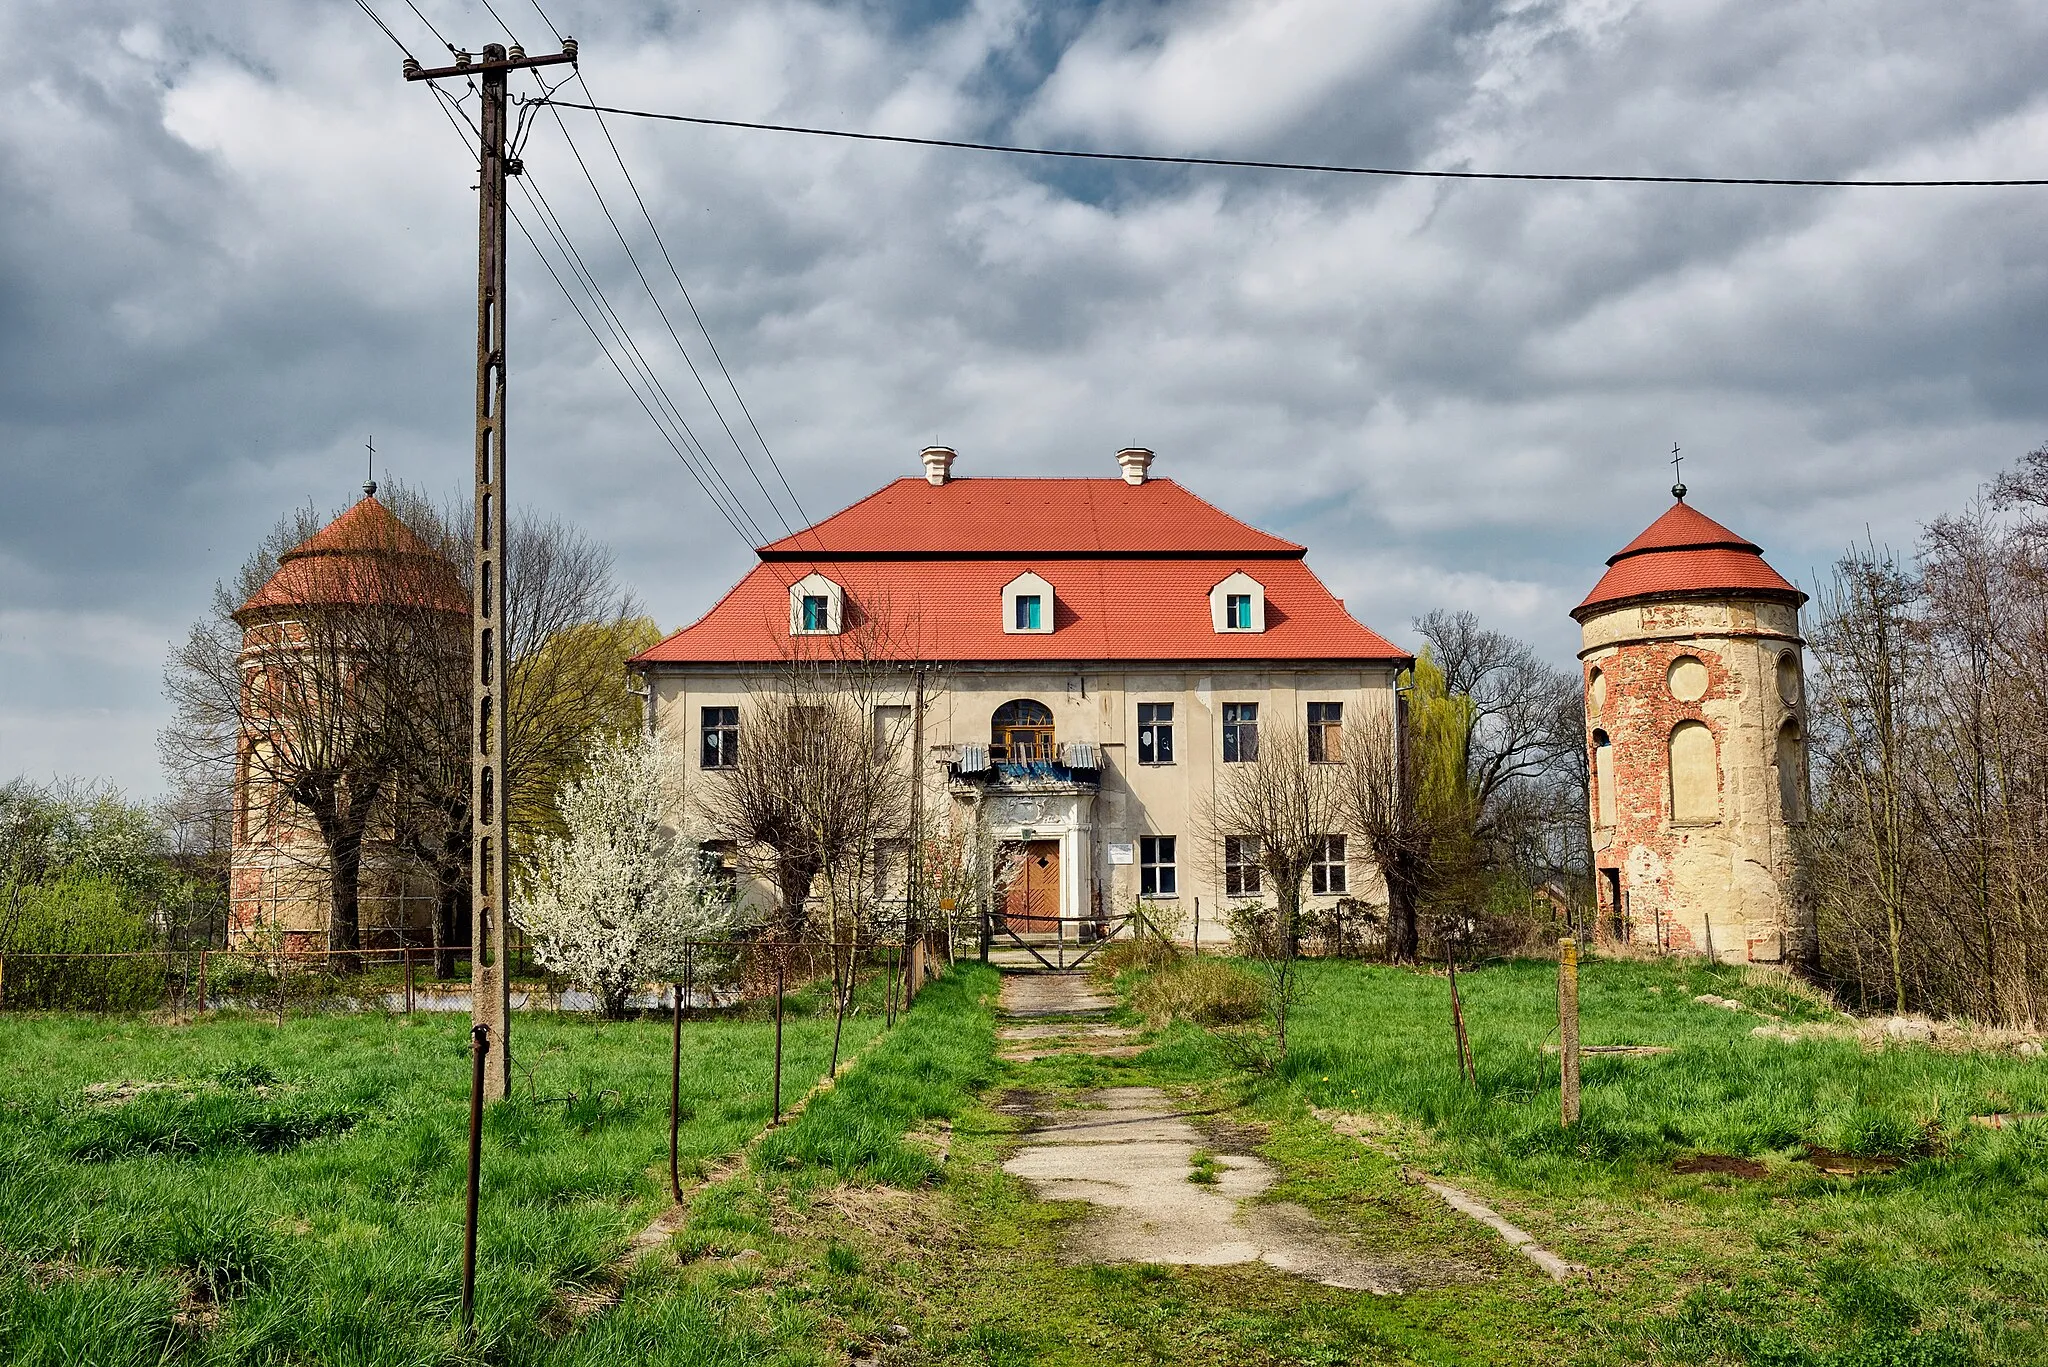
pixel 1238 604
pixel 1028 605
pixel 817 607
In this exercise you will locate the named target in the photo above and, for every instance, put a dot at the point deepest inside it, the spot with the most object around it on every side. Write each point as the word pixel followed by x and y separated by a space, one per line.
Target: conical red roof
pixel 364 558
pixel 1685 554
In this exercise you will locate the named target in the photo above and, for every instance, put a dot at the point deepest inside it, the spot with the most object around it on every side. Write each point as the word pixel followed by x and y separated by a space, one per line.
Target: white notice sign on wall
pixel 1120 852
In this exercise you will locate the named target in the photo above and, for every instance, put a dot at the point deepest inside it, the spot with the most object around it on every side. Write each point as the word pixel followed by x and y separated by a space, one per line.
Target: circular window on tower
pixel 1596 694
pixel 1687 678
pixel 1788 678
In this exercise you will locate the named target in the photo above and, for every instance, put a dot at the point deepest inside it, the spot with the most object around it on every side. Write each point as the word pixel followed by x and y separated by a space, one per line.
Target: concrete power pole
pixel 490 999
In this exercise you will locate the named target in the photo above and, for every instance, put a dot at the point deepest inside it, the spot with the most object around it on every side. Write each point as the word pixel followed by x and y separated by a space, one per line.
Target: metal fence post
pixel 1568 1028
pixel 202 983
pixel 778 1035
pixel 479 1046
pixel 408 980
pixel 675 1085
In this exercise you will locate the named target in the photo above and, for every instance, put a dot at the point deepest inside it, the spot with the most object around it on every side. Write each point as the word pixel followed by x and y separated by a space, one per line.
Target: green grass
pixel 295 1194
pixel 1941 1262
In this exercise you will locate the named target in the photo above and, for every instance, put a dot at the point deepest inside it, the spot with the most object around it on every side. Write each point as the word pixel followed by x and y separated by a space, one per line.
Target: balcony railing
pixel 1071 762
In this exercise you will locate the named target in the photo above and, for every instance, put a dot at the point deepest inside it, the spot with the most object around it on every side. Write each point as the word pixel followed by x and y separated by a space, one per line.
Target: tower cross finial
pixel 370 484
pixel 1677 484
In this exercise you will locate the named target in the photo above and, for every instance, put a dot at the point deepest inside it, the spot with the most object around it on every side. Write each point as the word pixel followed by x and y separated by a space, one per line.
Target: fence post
pixel 689 974
pixel 3 980
pixel 1568 1028
pixel 479 1046
pixel 202 982
pixel 408 980
pixel 778 1035
pixel 675 1084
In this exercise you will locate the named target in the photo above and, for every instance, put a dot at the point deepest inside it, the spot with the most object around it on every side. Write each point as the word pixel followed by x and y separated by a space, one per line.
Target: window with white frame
pixel 1240 732
pixel 1327 876
pixel 1158 875
pixel 1238 604
pixel 720 745
pixel 817 607
pixel 1029 605
pixel 1155 733
pixel 1241 865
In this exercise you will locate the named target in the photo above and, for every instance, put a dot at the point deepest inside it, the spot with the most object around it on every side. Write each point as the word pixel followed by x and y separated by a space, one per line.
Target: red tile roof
pixel 1686 553
pixel 365 557
pixel 1017 517
pixel 1131 568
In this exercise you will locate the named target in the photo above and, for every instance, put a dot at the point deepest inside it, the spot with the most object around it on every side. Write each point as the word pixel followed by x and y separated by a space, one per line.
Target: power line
pixel 1249 165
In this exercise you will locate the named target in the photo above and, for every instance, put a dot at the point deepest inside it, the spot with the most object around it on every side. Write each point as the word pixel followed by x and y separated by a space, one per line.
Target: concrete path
pixel 1128 1153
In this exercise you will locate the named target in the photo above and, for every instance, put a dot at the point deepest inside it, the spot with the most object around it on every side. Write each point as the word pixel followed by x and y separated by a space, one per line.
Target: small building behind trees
pixel 1695 720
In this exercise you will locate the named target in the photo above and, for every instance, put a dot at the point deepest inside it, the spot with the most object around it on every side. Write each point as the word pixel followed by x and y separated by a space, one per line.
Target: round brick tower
pixel 1695 720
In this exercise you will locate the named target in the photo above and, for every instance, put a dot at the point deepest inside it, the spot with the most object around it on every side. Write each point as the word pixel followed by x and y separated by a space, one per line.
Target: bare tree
pixel 1289 806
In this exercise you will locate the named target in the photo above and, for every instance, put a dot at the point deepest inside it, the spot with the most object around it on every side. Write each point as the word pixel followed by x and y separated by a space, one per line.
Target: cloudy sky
pixel 233 245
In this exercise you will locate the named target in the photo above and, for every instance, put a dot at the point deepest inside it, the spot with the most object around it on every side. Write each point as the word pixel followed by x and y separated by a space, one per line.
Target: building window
pixel 1020 731
pixel 1237 612
pixel 1241 865
pixel 892 872
pixel 721 748
pixel 718 861
pixel 1029 616
pixel 816 607
pixel 892 731
pixel 1791 773
pixel 1327 876
pixel 1240 732
pixel 1029 604
pixel 1238 603
pixel 1695 775
pixel 1157 876
pixel 1603 779
pixel 1325 732
pixel 1155 733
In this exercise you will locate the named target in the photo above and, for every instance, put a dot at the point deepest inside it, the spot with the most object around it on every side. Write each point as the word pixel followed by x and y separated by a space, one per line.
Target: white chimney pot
pixel 938 464
pixel 1136 462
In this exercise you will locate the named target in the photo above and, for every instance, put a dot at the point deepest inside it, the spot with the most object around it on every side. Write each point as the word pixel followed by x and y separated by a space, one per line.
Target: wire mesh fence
pixel 714 975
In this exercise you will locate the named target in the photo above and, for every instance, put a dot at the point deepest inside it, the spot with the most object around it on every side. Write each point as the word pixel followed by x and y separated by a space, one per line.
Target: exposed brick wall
pixel 1723 880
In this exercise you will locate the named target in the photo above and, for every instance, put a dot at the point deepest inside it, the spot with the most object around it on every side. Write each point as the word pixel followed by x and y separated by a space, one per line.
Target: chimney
pixel 938 464
pixel 1136 461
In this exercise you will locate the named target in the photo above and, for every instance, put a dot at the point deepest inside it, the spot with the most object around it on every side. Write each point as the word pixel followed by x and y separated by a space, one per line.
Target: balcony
pixel 1075 766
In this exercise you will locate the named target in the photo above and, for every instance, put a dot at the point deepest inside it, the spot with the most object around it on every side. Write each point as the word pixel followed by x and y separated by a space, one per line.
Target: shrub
pixel 1146 952
pixel 83 915
pixel 1205 991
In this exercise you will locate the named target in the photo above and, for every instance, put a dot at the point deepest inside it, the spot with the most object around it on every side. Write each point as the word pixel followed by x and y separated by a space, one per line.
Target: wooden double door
pixel 1032 904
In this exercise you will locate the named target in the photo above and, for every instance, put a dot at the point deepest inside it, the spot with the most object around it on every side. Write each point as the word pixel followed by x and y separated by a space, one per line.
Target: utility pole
pixel 490 997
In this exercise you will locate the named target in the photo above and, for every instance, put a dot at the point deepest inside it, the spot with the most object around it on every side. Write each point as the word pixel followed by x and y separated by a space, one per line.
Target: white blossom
pixel 611 904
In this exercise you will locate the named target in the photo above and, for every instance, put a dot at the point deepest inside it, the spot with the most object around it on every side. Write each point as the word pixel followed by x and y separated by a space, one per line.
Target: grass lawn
pixel 310 1179
pixel 233 1191
pixel 1938 1263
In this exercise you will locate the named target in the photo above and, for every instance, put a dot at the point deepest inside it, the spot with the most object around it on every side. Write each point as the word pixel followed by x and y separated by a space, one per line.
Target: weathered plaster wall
pixel 1721 882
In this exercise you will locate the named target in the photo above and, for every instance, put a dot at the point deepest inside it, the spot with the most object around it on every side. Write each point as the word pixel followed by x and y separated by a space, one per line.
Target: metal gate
pixel 1090 934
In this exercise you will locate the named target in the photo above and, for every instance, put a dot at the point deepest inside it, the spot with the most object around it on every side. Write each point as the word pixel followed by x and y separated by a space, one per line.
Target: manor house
pixel 1095 652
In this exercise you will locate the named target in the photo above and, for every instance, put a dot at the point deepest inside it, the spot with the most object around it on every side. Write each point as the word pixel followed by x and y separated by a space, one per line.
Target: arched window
pixel 1021 730
pixel 1788 678
pixel 1791 774
pixel 1603 780
pixel 1695 775
pixel 1596 694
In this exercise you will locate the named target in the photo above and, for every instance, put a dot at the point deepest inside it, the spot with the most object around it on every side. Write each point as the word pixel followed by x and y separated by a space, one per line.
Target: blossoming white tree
pixel 612 904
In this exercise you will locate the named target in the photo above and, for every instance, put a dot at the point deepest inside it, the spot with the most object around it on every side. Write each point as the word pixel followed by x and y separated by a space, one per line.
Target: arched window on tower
pixel 1791 773
pixel 1695 775
pixel 1603 780
pixel 1021 730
